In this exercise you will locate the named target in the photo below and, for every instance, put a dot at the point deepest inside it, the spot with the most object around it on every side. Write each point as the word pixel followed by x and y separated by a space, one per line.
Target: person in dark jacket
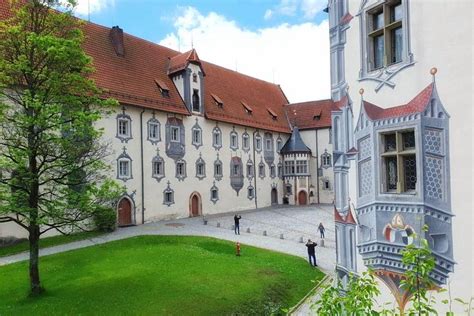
pixel 321 230
pixel 237 224
pixel 311 252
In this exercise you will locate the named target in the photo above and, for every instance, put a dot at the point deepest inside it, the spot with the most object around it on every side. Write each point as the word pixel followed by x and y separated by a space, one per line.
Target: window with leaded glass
pixel 301 167
pixel 399 174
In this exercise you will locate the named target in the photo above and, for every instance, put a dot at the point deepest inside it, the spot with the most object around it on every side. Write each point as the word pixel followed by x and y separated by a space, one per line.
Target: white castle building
pixel 403 140
pixel 191 138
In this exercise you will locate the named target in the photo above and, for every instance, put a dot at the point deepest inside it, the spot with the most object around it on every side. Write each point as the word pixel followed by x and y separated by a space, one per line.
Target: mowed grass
pixel 160 275
pixel 48 242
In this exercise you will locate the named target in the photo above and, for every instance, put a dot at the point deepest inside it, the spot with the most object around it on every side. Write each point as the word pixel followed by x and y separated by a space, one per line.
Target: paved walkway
pixel 293 224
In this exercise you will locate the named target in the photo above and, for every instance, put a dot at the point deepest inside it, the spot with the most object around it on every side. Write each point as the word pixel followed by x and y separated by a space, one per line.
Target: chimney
pixel 116 36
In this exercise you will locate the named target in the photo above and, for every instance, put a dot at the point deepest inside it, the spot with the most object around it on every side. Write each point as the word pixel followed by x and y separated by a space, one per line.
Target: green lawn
pixel 48 242
pixel 157 275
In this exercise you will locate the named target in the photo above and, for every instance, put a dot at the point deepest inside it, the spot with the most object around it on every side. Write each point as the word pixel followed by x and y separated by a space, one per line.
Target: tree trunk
pixel 35 285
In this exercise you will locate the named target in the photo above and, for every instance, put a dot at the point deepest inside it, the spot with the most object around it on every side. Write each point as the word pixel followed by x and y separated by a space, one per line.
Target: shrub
pixel 105 219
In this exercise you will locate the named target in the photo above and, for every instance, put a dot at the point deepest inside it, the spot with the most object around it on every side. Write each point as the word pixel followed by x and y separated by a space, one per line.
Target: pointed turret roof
pixel 295 144
pixel 347 219
pixel 181 61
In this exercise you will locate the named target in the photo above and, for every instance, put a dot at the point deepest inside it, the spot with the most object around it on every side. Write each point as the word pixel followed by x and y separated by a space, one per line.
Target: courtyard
pixel 124 263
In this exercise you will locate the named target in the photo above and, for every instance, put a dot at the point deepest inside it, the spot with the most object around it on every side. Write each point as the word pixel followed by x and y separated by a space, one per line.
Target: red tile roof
pixel 416 105
pixel 312 114
pixel 238 92
pixel 181 61
pixel 132 79
pixel 348 219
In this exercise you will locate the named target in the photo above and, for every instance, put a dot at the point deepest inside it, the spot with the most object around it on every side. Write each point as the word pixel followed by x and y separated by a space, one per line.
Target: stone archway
pixel 124 212
pixel 195 204
pixel 302 198
pixel 274 196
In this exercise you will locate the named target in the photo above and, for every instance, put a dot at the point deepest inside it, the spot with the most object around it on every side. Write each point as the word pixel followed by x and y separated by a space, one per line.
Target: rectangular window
pixel 261 170
pixel 268 145
pixel 169 197
pixel 245 142
pixel 236 170
pixel 218 170
pixel 123 127
pixel 200 169
pixel 289 167
pixel 249 170
pixel 174 131
pixel 124 169
pixel 399 162
pixel 301 167
pixel 386 34
pixel 233 141
pixel 153 131
pixel 180 169
pixel 258 143
pixel 157 168
pixel 196 136
pixel 214 194
pixel 216 139
pixel 250 193
pixel 272 171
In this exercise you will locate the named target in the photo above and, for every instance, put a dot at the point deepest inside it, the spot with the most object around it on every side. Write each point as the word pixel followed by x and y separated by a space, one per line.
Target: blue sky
pixel 153 19
pixel 280 41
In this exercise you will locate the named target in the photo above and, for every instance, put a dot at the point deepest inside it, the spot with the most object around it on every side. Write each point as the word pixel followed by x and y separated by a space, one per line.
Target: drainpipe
pixel 142 167
pixel 255 171
pixel 317 167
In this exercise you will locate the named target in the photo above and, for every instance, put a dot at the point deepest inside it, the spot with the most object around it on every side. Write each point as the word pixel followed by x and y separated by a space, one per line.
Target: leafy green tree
pixel 51 157
pixel 420 262
pixel 357 298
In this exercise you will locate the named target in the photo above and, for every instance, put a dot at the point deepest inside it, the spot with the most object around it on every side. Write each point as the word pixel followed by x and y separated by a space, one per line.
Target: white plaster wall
pixel 153 195
pixel 317 149
pixel 442 37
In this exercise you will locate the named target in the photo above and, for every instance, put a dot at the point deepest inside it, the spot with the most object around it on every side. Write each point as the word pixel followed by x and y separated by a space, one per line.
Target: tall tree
pixel 53 174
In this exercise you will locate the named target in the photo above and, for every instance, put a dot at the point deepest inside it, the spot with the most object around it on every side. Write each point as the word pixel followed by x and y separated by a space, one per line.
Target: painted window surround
pixel 383 75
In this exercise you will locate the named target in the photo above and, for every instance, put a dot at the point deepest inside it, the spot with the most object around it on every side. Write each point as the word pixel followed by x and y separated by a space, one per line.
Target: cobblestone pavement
pixel 287 229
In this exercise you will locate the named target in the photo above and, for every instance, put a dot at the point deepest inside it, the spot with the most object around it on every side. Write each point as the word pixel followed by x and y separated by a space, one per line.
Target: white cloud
pixel 308 8
pixel 268 14
pixel 92 6
pixel 295 56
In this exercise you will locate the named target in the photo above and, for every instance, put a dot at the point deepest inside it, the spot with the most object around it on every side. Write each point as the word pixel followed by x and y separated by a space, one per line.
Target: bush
pixel 105 219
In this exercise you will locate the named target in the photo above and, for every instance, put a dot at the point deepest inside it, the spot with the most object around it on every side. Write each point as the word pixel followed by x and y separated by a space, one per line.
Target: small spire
pixel 361 92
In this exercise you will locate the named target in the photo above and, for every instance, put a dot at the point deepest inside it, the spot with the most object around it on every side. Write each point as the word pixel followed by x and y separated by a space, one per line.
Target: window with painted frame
pixel 123 129
pixel 398 162
pixel 174 134
pixel 385 34
pixel 124 169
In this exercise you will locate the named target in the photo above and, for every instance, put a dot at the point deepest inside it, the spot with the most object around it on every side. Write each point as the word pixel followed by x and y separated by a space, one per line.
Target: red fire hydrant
pixel 237 249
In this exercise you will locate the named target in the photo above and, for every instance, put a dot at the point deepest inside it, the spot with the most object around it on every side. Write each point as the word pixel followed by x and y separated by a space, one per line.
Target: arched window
pixel 196 103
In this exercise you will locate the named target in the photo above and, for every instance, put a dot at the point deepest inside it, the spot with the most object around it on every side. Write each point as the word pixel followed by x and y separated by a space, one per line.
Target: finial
pixel 433 72
pixel 347 88
pixel 361 91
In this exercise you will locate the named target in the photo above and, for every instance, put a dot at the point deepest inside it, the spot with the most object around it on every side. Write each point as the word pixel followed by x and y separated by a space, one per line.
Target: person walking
pixel 237 224
pixel 321 230
pixel 311 252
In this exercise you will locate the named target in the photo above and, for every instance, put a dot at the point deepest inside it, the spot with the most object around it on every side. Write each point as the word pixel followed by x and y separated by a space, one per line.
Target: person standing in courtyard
pixel 311 252
pixel 237 224
pixel 321 230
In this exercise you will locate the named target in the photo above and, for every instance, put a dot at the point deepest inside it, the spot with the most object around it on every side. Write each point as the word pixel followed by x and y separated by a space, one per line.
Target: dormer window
pixel 317 116
pixel 272 114
pixel 247 108
pixel 163 87
pixel 196 103
pixel 218 100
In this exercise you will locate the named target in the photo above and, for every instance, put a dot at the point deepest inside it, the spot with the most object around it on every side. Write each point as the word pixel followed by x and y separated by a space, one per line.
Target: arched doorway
pixel 302 198
pixel 274 196
pixel 124 212
pixel 195 204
